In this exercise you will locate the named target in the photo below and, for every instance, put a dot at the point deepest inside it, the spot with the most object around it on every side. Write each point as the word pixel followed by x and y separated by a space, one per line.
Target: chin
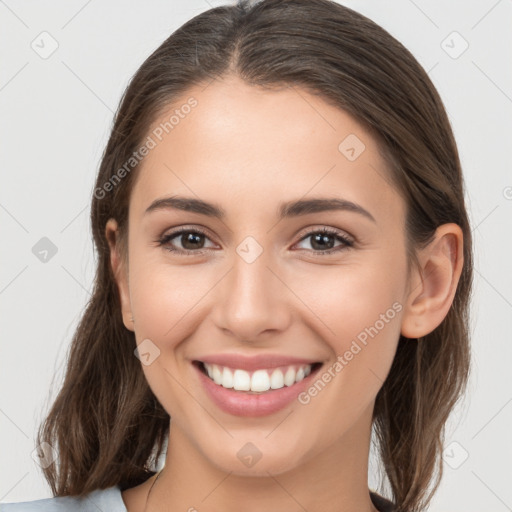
pixel 253 459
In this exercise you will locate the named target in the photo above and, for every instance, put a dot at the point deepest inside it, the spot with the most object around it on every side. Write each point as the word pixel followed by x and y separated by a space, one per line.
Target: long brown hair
pixel 105 423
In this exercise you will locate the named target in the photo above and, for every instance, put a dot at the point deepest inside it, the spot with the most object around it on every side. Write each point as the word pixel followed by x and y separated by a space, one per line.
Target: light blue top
pixel 110 500
pixel 100 500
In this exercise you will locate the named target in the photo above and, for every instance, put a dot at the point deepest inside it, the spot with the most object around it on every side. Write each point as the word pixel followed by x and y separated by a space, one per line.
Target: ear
pixel 120 272
pixel 433 286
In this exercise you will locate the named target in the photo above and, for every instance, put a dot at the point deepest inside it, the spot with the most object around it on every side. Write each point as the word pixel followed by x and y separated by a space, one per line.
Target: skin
pixel 248 150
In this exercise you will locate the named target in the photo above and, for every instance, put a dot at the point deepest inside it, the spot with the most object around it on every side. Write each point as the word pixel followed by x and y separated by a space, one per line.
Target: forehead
pixel 239 145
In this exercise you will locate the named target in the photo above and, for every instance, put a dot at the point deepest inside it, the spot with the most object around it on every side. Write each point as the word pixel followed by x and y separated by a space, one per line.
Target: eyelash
pixel 164 240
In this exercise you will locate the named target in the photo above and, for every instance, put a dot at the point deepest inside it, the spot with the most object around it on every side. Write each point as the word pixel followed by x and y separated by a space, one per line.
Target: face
pixel 319 285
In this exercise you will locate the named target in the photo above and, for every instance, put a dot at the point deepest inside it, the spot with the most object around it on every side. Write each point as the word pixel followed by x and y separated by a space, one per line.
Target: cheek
pixel 357 310
pixel 165 304
pixel 348 298
pixel 363 332
pixel 163 296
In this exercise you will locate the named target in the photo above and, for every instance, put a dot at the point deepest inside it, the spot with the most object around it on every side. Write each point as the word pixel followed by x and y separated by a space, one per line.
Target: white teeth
pixel 289 376
pixel 227 378
pixel 260 380
pixel 217 374
pixel 241 380
pixel 277 379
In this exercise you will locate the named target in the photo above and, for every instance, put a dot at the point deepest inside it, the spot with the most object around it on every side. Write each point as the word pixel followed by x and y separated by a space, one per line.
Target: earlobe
pixel 435 283
pixel 120 272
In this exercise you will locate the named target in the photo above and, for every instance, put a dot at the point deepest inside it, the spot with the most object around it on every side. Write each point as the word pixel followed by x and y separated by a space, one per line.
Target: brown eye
pixel 191 240
pixel 323 241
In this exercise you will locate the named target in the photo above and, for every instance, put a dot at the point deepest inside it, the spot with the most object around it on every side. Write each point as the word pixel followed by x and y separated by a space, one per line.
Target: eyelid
pixel 309 230
pixel 303 233
pixel 179 230
pixel 346 239
pixel 185 228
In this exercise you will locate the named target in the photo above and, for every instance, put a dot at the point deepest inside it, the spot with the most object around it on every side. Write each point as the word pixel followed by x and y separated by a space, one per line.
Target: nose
pixel 253 300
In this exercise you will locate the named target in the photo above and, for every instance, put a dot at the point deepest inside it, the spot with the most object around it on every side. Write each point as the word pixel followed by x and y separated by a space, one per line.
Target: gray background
pixel 55 118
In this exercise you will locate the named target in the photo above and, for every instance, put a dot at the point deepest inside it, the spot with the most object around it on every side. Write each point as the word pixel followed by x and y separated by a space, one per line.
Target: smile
pixel 258 391
pixel 258 381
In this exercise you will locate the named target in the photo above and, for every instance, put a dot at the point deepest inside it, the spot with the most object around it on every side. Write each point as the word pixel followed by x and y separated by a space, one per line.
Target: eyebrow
pixel 286 210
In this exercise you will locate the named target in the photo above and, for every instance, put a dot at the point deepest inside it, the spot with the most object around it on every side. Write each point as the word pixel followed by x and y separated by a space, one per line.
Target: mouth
pixel 258 385
pixel 257 382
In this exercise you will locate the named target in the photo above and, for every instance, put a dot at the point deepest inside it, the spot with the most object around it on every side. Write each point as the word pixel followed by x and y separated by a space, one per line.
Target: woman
pixel 284 268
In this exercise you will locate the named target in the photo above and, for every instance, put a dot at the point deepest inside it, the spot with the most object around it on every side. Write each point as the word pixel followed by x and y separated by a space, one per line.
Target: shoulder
pixel 101 499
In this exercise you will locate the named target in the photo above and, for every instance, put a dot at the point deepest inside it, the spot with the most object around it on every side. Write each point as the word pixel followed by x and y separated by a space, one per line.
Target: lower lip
pixel 241 403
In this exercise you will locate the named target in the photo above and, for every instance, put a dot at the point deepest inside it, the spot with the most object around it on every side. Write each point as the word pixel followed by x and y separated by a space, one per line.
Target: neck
pixel 335 480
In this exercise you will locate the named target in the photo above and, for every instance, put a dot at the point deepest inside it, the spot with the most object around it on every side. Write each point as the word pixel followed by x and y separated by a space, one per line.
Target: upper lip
pixel 251 363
